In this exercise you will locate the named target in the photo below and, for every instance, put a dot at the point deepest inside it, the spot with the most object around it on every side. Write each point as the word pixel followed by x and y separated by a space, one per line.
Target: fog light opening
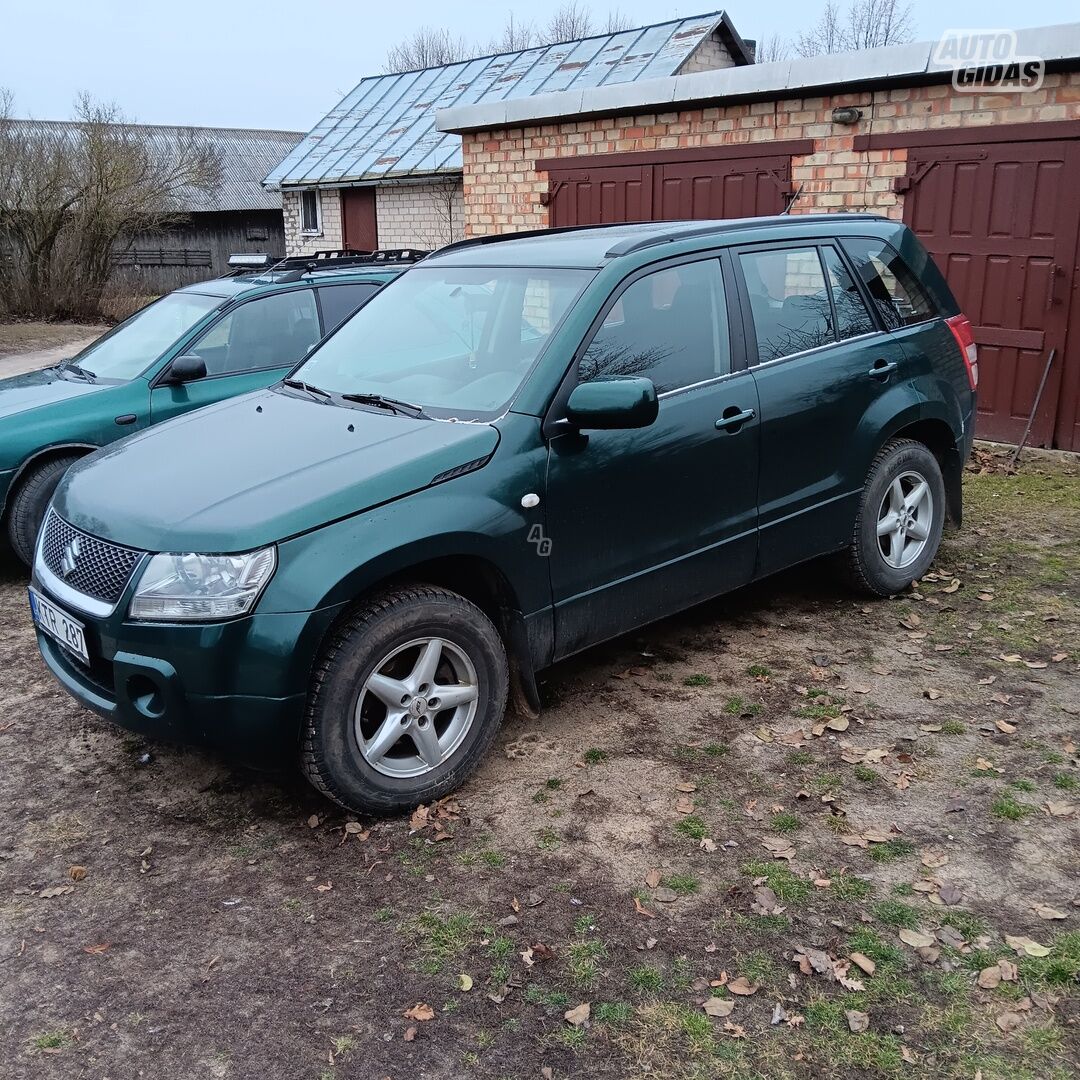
pixel 145 696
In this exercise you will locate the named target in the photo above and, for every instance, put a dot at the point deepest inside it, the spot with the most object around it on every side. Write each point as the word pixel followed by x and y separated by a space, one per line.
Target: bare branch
pixel 427 47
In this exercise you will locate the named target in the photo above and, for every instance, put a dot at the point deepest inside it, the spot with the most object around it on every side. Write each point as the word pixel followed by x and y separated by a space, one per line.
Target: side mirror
pixel 187 368
pixel 618 402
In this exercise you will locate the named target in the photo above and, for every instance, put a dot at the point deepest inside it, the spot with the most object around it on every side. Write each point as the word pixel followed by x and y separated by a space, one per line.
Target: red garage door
pixel 1001 220
pixel 714 182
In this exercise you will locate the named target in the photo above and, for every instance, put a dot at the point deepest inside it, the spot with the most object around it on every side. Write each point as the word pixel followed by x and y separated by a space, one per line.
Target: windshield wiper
pixel 393 404
pixel 68 368
pixel 316 392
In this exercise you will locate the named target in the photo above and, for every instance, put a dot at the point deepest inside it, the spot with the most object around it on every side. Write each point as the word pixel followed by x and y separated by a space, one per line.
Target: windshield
pixel 137 342
pixel 456 341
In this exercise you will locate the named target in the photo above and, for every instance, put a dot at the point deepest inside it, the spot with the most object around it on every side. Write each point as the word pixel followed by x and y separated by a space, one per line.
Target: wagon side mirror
pixel 612 404
pixel 187 368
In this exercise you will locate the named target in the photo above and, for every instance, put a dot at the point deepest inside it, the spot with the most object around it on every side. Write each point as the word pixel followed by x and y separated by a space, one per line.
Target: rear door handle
pixel 882 369
pixel 734 418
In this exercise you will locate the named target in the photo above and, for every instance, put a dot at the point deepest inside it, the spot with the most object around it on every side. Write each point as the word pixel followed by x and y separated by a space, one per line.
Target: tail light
pixel 961 329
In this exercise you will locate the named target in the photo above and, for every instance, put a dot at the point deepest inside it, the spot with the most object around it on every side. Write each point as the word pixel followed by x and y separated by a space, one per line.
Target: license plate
pixel 59 625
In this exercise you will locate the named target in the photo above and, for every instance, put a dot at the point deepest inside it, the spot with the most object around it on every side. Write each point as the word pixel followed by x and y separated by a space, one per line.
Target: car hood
pixel 21 393
pixel 256 469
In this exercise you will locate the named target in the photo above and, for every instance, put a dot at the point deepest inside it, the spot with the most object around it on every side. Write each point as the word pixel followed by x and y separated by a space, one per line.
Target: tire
pixel 888 564
pixel 383 645
pixel 26 511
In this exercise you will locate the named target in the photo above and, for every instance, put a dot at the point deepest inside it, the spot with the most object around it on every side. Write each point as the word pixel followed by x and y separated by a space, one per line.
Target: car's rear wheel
pixel 901 517
pixel 405 700
pixel 27 508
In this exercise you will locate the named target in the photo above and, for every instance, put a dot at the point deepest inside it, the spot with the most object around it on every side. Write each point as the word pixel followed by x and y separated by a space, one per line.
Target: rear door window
pixel 852 317
pixel 894 289
pixel 789 301
pixel 340 301
pixel 669 326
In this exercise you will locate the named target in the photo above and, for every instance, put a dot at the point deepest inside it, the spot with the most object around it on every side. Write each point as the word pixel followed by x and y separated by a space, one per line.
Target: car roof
pixel 228 288
pixel 593 246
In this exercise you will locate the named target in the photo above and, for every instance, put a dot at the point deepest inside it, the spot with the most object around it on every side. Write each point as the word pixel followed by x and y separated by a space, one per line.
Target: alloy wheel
pixel 905 519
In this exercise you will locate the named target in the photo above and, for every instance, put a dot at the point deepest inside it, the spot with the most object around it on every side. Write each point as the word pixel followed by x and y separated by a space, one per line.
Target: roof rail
pixel 495 238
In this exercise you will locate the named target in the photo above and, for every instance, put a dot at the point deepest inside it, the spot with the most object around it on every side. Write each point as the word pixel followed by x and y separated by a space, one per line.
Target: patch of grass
pixel 716 749
pixel 786 823
pixel 789 888
pixel 553 783
pixel 953 727
pixel 970 926
pixel 865 775
pixel 763 924
pixel 51 1040
pixel 894 913
pixel 550 999
pixel 800 758
pixel 737 706
pixel 693 827
pixel 441 939
pixel 1023 785
pixel 646 979
pixel 594 756
pixel 902 888
pixel 384 914
pixel 697 680
pixel 758 671
pixel 759 967
pixel 343 1044
pixel 547 839
pixel 1006 806
pixel 584 924
pixel 848 887
pixel 611 1012
pixel 1065 782
pixel 818 710
pixel 500 947
pixel 583 960
pixel 888 957
pixel 1060 968
pixel 891 850
pixel 571 1037
pixel 495 859
pixel 683 884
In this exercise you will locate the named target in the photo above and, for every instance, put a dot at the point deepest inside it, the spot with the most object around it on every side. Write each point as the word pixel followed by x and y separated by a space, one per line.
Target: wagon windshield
pixel 137 342
pixel 456 341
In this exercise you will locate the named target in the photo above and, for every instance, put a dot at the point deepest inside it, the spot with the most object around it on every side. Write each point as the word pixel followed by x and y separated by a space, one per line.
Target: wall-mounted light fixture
pixel 846 114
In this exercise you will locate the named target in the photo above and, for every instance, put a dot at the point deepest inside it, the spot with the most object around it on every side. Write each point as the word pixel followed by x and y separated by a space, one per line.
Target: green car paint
pixel 569 534
pixel 59 411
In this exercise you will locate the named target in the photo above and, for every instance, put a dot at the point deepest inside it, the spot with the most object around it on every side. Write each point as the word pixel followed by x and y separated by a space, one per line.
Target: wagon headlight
pixel 202 587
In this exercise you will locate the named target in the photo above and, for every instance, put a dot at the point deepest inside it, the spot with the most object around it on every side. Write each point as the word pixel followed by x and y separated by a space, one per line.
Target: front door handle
pixel 882 369
pixel 734 418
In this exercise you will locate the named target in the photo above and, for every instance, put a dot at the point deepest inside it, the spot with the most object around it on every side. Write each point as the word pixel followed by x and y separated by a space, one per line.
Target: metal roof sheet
pixel 245 154
pixel 385 128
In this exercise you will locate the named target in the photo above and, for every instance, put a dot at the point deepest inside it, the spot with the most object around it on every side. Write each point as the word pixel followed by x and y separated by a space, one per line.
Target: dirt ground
pixel 792 833
pixel 27 346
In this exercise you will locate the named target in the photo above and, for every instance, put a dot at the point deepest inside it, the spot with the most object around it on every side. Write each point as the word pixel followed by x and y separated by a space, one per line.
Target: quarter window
pixel 310 216
pixel 789 301
pixel 894 290
pixel 669 326
pixel 339 302
pixel 272 332
pixel 852 318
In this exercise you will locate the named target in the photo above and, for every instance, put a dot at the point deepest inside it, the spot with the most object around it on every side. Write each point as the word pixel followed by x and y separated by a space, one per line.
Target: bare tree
pixel 574 20
pixel 72 194
pixel 427 47
pixel 515 36
pixel 867 24
pixel 771 48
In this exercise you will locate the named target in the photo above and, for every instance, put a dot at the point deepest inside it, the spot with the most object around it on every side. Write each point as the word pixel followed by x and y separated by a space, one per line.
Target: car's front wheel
pixel 30 501
pixel 405 700
pixel 901 518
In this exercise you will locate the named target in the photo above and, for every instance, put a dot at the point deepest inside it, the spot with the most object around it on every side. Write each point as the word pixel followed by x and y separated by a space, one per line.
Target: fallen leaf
pixel 779 847
pixel 56 890
pixel 686 787
pixel 952 586
pixel 420 1011
pixel 77 873
pixel 838 723
pixel 1009 971
pixel 97 950
pixel 742 986
pixel 410 1034
pixel 931 693
pixel 665 895
pixel 1008 1020
pixel 578 1016
pixel 641 909
pixel 716 1006
pixel 857 1021
pixel 652 878
pixel 1024 946
pixel 1005 727
pixel 989 977
pixel 1059 809
pixel 934 859
pixel 465 982
pixel 325 887
pixel 908 1055
pixel 313 821
pixel 683 805
pixel 864 963
pixel 1059 656
pixel 854 841
pixel 916 938
pixel 707 844
pixel 985 597
pixel 1044 911
pixel 736 1031
pixel 950 894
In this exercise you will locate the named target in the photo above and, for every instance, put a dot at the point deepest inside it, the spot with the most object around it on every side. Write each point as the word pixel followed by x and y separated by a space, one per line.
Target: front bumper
pixel 238 687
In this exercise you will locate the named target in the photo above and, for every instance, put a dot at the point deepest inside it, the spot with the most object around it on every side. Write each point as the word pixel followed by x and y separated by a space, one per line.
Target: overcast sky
pixel 284 63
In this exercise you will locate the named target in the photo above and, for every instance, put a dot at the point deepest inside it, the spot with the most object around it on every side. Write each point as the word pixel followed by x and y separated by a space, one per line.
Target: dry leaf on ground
pixel 716 1006
pixel 857 1021
pixel 420 1011
pixel 579 1015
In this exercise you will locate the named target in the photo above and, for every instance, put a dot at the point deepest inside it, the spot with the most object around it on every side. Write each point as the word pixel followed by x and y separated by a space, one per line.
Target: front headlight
pixel 201 587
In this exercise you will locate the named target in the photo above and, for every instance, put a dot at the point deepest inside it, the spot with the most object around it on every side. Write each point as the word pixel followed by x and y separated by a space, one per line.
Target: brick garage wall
pixel 710 55
pixel 420 215
pixel 331 236
pixel 503 187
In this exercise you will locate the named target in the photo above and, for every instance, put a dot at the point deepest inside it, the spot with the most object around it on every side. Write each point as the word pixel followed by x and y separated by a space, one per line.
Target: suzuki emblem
pixel 71 553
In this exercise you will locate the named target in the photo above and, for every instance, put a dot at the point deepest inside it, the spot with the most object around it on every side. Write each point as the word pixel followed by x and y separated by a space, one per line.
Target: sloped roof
pixel 245 156
pixel 386 129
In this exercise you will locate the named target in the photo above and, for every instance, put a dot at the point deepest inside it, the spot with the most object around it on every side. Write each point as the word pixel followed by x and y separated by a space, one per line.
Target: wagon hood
pixel 257 469
pixel 37 388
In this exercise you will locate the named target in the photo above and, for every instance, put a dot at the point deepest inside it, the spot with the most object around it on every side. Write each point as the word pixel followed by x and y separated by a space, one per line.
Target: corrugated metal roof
pixel 245 156
pixel 386 128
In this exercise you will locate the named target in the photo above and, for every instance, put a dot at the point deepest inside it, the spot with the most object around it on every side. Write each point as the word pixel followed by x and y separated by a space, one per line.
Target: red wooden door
pixel 358 215
pixel 1001 220
pixel 601 196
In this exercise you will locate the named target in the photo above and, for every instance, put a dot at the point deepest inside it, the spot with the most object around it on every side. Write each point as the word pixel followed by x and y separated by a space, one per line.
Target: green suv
pixel 192 347
pixel 522 447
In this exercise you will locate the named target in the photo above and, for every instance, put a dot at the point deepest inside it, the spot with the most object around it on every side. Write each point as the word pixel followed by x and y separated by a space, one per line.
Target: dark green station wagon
pixel 522 447
pixel 195 346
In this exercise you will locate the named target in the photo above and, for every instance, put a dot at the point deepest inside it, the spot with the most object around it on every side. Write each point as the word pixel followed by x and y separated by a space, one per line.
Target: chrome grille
pixel 87 564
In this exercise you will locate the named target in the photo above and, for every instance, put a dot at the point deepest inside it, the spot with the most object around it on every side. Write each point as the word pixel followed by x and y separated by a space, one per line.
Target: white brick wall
pixel 298 243
pixel 420 215
pixel 710 55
